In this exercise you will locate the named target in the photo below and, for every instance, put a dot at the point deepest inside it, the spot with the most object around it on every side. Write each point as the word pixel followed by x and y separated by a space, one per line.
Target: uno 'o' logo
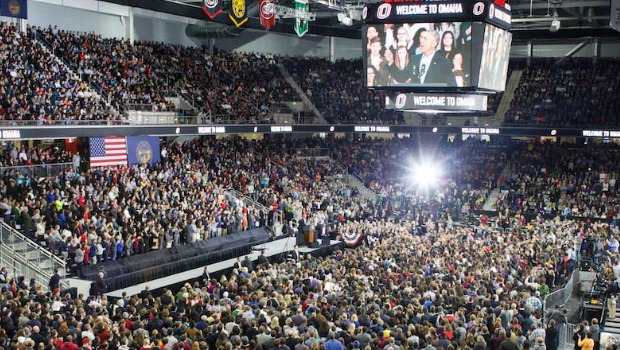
pixel 384 11
pixel 401 100
pixel 492 11
pixel 210 3
pixel 266 9
pixel 478 8
pixel 365 12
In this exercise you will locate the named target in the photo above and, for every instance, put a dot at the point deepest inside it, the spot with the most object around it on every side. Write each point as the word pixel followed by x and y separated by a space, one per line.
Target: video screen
pixel 418 54
pixel 495 55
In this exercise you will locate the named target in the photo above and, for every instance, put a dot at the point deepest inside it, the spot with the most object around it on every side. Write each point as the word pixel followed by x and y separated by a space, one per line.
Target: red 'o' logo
pixel 210 3
pixel 384 10
pixel 266 9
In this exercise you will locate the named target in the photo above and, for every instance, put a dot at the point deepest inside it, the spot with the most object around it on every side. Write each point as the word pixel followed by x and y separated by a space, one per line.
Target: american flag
pixel 108 151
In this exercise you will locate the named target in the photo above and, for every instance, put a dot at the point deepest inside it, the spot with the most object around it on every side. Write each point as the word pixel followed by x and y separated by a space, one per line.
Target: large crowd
pixel 452 288
pixel 575 180
pixel 465 179
pixel 577 92
pixel 37 89
pixel 418 279
pixel 89 217
pixel 242 87
pixel 337 89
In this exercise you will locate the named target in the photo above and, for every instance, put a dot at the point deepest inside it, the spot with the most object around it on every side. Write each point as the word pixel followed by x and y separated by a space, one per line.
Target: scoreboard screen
pixel 418 54
pixel 451 46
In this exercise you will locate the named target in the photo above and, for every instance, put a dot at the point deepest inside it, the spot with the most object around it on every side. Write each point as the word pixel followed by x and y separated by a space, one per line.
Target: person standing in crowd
pixel 552 336
pixel 586 343
pixel 595 331
pixel 611 306
pixel 54 284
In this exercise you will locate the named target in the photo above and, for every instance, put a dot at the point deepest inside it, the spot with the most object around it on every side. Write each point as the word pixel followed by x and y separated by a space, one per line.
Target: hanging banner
pixel 614 15
pixel 267 16
pixel 212 8
pixel 238 15
pixel 301 24
pixel 14 8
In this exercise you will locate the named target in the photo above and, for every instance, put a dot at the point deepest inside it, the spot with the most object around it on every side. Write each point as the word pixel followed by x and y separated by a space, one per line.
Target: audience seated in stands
pixel 37 89
pixel 571 180
pixel 576 92
pixel 241 87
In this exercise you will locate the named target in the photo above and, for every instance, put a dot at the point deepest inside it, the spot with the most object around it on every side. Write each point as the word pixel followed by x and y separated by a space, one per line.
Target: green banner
pixel 301 24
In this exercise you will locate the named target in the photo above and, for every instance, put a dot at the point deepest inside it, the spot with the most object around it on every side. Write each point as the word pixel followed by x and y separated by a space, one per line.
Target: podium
pixel 310 237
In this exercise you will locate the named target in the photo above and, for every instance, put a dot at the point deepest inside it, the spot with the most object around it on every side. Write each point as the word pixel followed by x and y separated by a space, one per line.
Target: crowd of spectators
pixel 576 92
pixel 36 155
pixel 238 87
pixel 337 90
pixel 452 288
pixel 576 180
pixel 414 281
pixel 37 89
pixel 107 214
pixel 467 174
pixel 241 87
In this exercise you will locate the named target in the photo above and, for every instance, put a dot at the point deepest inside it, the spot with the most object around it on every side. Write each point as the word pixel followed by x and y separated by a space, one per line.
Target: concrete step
pixel 612 324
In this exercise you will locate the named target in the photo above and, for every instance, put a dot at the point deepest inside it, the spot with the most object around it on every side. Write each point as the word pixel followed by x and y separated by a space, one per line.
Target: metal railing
pixel 310 152
pixel 247 201
pixel 93 84
pixel 37 170
pixel 27 258
pixel 149 107
pixel 63 122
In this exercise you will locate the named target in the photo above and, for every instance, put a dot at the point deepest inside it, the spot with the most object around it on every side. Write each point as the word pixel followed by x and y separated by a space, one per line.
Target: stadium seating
pixel 576 92
pixel 565 180
pixel 36 89
pixel 228 87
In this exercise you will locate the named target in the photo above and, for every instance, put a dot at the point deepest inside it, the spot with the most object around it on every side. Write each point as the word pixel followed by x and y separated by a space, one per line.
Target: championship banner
pixel 212 8
pixel 238 15
pixel 14 8
pixel 143 150
pixel 614 15
pixel 302 9
pixel 267 16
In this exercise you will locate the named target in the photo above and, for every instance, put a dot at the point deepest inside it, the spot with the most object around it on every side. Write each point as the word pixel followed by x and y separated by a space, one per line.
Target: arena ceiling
pixel 531 18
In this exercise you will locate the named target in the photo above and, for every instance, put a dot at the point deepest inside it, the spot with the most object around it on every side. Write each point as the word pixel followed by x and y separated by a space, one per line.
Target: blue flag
pixel 14 8
pixel 143 150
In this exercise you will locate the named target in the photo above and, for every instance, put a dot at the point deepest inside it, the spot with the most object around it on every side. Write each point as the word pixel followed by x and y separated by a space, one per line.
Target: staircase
pixel 509 94
pixel 364 191
pixel 489 204
pixel 23 257
pixel 304 98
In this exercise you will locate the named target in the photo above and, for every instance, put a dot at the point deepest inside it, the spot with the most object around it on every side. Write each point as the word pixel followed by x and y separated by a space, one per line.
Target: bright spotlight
pixel 425 174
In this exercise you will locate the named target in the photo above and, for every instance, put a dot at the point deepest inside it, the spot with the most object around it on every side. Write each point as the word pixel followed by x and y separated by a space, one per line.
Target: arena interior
pixel 242 175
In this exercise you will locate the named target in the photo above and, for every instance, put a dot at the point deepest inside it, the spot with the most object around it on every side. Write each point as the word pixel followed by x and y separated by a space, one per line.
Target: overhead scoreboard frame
pixel 484 53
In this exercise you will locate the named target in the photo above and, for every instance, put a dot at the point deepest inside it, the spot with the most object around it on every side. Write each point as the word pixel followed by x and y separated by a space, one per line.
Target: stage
pixel 272 249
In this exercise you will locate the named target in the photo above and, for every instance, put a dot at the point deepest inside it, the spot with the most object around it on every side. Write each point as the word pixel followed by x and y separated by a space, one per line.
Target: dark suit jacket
pixel 439 73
